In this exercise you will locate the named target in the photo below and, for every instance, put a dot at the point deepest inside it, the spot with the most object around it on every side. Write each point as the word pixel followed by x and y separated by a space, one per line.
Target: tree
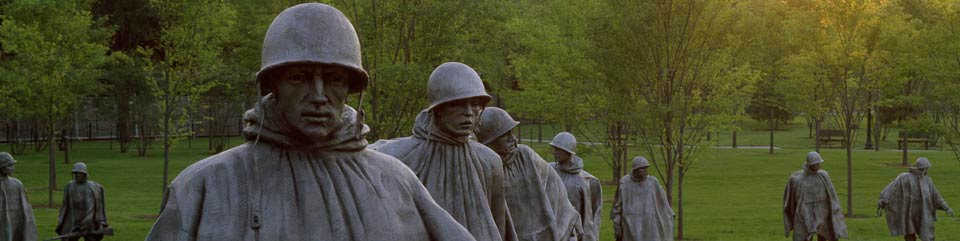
pixel 677 59
pixel 844 62
pixel 137 26
pixel 53 51
pixel 403 41
pixel 193 36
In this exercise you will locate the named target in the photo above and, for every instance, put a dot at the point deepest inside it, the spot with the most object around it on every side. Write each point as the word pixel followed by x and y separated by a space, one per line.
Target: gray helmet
pixel 6 160
pixel 922 163
pixel 813 158
pixel 79 167
pixel 565 141
pixel 640 162
pixel 312 33
pixel 494 122
pixel 454 81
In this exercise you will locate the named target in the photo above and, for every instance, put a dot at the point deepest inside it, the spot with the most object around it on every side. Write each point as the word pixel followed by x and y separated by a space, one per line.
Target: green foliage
pixel 53 54
pixel 192 43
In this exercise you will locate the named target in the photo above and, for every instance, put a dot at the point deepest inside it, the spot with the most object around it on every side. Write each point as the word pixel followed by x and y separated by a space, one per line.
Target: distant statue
pixel 911 201
pixel 82 214
pixel 641 210
pixel 465 177
pixel 583 189
pixel 810 204
pixel 535 195
pixel 304 172
pixel 17 222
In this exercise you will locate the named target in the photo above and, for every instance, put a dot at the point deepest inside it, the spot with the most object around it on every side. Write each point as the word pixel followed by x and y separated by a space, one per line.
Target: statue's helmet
pixel 640 162
pixel 454 81
pixel 565 141
pixel 6 160
pixel 813 158
pixel 922 163
pixel 312 33
pixel 79 167
pixel 494 122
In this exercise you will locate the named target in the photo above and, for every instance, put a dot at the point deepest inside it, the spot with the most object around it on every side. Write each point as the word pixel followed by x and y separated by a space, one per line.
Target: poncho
pixel 276 187
pixel 584 193
pixel 800 212
pixel 537 198
pixel 641 211
pixel 462 175
pixel 17 222
pixel 911 205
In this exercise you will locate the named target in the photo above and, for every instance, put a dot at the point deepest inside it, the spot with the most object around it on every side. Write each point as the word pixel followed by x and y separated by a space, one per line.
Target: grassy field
pixel 732 194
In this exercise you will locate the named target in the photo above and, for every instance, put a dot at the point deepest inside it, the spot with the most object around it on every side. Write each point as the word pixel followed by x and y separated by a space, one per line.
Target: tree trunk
pixel 123 122
pixel 66 146
pixel 869 144
pixel 903 146
pixel 849 144
pixel 816 132
pixel 734 139
pixel 166 141
pixel 773 126
pixel 680 205
pixel 53 165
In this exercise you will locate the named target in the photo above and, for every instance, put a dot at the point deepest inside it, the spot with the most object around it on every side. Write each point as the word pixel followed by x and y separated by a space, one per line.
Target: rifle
pixel 102 231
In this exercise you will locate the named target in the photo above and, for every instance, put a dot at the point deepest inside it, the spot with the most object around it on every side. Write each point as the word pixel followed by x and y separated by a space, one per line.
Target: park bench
pixel 828 136
pixel 907 137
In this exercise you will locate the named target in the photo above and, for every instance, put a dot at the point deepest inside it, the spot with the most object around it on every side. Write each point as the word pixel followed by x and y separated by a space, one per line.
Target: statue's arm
pixel 178 219
pixel 941 203
pixel 615 214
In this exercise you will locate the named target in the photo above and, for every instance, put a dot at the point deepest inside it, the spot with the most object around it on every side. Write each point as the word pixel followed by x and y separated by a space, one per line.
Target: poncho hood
pixel 265 124
pixel 424 128
pixel 575 165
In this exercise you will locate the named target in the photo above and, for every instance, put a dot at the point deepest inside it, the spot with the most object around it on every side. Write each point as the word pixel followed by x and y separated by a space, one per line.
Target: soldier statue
pixel 911 201
pixel 535 195
pixel 810 204
pixel 82 214
pixel 304 172
pixel 463 176
pixel 641 210
pixel 17 222
pixel 583 189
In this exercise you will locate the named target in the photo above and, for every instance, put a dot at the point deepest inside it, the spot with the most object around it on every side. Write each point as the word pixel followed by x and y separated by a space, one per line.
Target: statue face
pixel 560 155
pixel 640 173
pixel 458 117
pixel 7 170
pixel 79 177
pixel 504 144
pixel 814 167
pixel 311 97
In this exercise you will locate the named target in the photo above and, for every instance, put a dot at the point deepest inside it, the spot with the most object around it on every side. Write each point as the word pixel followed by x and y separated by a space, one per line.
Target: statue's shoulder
pixel 796 175
pixel 387 164
pixel 626 179
pixel 653 179
pixel 489 157
pixel 823 173
pixel 484 151
pixel 395 147
pixel 15 181
pixel 212 165
pixel 526 150
pixel 589 177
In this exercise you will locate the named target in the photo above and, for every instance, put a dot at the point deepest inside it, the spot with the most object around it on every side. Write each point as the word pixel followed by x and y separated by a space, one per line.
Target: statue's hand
pixel 950 212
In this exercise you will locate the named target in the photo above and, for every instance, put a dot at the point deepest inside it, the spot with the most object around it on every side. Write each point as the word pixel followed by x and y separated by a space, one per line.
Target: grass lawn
pixel 732 194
